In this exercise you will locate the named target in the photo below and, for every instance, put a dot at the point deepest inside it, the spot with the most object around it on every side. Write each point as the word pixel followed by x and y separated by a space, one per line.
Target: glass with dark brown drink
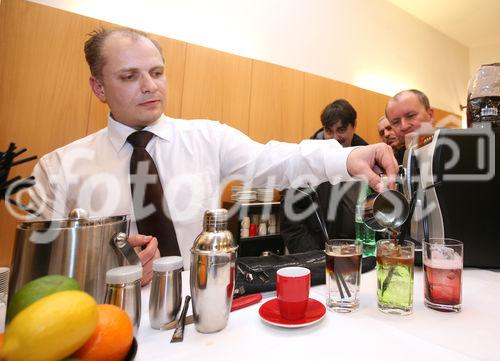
pixel 343 274
pixel 443 265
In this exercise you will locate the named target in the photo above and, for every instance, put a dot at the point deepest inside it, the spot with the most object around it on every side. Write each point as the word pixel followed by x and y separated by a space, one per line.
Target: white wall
pixel 368 43
pixel 483 55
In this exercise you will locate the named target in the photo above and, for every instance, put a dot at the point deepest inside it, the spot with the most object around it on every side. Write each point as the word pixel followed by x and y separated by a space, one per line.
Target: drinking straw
pixel 425 221
pixel 406 225
pixel 321 220
pixel 339 286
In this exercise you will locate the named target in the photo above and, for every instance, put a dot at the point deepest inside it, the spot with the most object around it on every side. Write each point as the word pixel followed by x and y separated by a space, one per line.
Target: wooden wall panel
pixel 217 86
pixel 318 93
pixel 368 108
pixel 98 115
pixel 445 119
pixel 174 52
pixel 44 96
pixel 276 103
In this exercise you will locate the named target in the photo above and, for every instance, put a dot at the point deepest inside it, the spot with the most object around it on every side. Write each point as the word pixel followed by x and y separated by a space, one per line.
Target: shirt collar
pixel 119 132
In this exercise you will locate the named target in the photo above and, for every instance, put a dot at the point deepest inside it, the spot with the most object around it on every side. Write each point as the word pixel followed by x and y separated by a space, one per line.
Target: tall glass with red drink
pixel 443 266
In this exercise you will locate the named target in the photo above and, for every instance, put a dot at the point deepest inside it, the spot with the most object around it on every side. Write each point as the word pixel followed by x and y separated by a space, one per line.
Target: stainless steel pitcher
pixel 213 258
pixel 80 248
pixel 386 210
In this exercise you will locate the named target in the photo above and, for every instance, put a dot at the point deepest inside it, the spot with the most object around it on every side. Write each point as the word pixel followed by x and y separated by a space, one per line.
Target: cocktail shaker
pixel 212 275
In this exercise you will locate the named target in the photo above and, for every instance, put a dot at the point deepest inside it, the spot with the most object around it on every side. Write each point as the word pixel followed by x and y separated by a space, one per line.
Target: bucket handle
pixel 120 243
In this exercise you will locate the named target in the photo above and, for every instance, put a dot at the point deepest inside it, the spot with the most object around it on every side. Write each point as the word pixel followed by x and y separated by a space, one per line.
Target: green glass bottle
pixel 364 234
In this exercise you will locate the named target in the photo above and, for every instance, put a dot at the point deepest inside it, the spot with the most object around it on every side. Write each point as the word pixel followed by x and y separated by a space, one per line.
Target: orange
pixel 112 337
pixel 1 340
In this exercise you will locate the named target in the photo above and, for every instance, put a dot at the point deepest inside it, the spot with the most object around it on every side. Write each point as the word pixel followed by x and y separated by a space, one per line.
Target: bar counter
pixel 366 334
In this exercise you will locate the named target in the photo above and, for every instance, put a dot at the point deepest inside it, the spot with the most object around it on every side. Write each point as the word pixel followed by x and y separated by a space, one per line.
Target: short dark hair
pixel 93 46
pixel 338 111
pixel 422 98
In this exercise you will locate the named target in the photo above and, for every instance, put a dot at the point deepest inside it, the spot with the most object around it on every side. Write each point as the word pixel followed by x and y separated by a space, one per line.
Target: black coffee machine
pixel 465 202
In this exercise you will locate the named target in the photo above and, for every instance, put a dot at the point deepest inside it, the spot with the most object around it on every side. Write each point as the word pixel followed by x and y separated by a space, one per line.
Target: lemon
pixel 51 328
pixel 39 288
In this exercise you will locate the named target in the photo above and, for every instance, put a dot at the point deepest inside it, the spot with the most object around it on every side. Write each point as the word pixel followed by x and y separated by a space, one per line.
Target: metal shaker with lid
pixel 213 258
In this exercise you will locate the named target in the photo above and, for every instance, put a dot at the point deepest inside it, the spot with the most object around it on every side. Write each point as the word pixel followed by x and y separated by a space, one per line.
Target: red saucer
pixel 269 312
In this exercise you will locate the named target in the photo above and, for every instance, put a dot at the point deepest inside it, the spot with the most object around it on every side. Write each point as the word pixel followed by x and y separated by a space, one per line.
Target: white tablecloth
pixel 366 334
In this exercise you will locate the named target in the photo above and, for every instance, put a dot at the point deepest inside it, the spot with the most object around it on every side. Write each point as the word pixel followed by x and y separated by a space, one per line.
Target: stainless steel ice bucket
pixel 80 248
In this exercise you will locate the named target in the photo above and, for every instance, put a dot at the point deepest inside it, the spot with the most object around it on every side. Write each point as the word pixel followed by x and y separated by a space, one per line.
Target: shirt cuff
pixel 335 160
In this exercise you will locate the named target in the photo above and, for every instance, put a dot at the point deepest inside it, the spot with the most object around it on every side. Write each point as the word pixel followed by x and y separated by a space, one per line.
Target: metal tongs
pixel 239 302
pixel 178 335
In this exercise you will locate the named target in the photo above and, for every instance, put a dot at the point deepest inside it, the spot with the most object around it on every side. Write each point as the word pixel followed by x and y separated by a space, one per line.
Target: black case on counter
pixel 258 274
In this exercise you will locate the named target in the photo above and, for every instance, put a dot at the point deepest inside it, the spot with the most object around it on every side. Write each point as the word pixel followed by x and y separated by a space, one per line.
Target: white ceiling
pixel 473 23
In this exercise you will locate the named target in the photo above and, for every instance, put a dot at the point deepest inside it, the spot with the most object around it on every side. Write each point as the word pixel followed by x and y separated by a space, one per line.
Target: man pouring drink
pixel 167 171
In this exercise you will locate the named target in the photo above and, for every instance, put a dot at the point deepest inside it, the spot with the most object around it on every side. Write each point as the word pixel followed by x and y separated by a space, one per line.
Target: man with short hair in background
pixel 387 134
pixel 338 121
pixel 335 203
pixel 407 112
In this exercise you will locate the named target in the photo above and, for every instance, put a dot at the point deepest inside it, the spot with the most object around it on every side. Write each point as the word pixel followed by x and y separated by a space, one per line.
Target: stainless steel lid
pixel 215 220
pixel 166 264
pixel 215 236
pixel 124 274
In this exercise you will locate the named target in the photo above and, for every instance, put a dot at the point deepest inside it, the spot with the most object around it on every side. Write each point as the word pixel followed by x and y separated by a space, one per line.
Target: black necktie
pixel 158 223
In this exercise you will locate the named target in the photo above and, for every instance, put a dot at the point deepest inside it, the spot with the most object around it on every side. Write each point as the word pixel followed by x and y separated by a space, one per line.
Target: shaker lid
pixel 124 274
pixel 165 264
pixel 215 236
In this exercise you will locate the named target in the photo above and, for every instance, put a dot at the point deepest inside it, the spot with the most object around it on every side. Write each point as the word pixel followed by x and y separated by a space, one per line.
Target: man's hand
pixel 369 161
pixel 149 253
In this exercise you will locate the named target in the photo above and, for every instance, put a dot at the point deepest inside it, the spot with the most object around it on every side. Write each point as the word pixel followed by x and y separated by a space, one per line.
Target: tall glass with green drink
pixel 395 262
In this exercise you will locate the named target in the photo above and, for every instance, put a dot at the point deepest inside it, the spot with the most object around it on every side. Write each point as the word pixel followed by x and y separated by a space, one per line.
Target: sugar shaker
pixel 123 289
pixel 166 291
pixel 213 258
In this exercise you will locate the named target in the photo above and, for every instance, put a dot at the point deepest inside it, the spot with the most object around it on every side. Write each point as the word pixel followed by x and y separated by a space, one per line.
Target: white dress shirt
pixel 195 160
